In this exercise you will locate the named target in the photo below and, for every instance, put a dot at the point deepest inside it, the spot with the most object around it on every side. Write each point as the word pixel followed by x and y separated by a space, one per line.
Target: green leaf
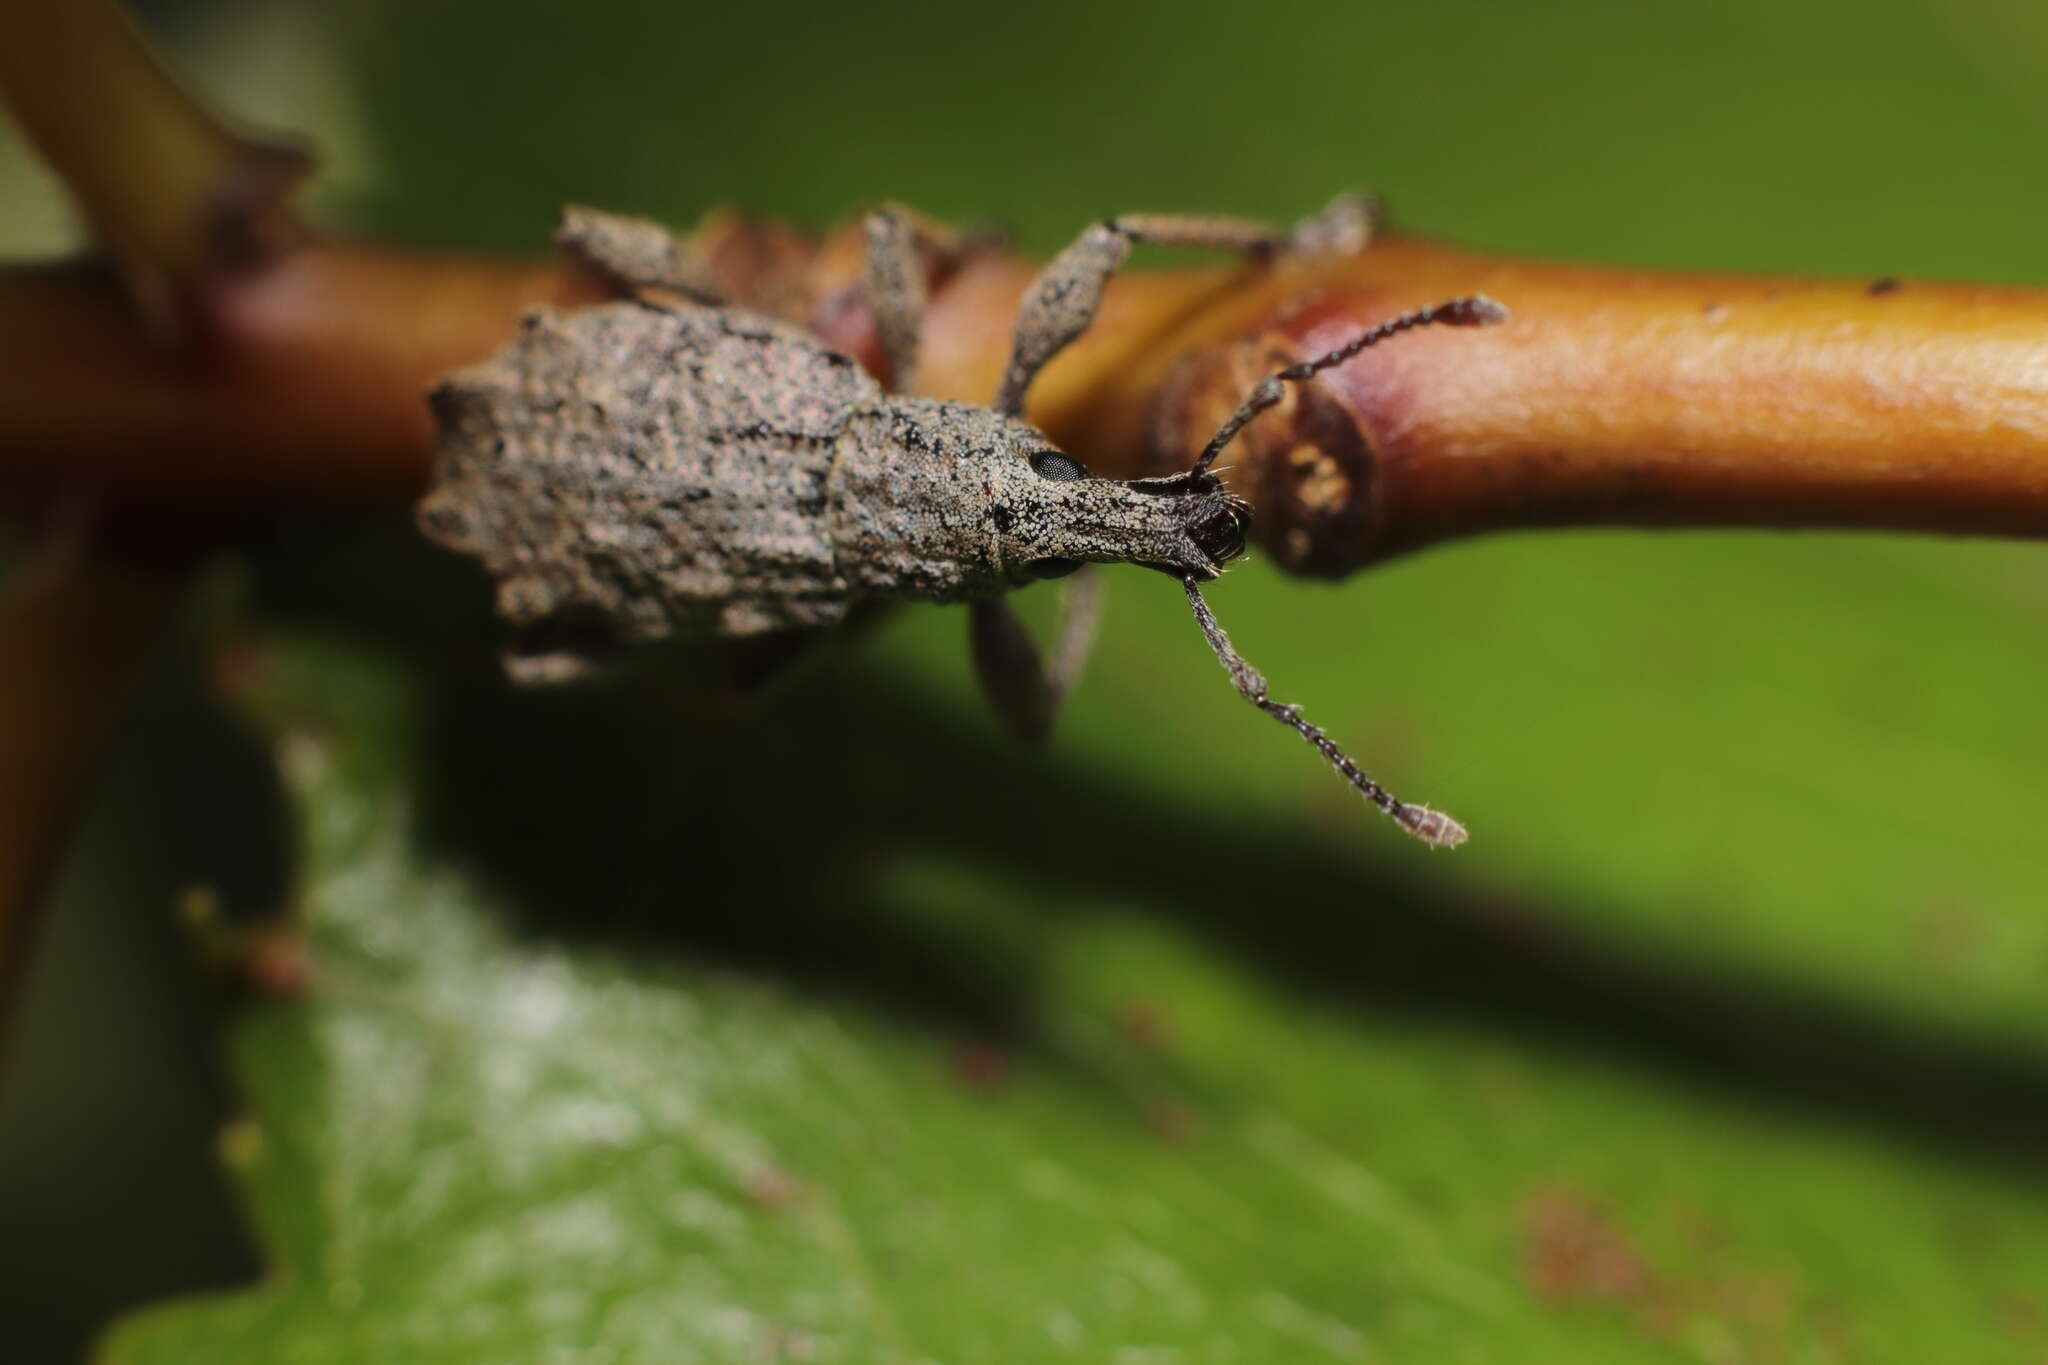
pixel 640 1029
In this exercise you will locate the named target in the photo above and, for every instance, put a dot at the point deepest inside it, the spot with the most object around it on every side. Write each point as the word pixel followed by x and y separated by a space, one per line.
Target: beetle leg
pixel 896 292
pixel 1080 614
pixel 1343 227
pixel 1062 301
pixel 758 664
pixel 1024 691
pixel 636 254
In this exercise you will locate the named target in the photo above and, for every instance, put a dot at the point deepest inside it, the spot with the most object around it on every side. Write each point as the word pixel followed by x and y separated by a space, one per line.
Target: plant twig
pixel 183 208
pixel 73 626
pixel 1613 397
pixel 174 194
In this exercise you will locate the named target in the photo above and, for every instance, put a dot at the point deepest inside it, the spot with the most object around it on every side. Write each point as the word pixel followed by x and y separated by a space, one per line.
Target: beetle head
pixel 1051 515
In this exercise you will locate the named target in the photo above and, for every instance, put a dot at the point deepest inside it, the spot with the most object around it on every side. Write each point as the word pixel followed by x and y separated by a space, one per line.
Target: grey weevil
pixel 671 465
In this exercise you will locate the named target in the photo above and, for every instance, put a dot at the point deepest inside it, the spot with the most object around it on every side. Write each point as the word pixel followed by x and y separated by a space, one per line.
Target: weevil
pixel 672 465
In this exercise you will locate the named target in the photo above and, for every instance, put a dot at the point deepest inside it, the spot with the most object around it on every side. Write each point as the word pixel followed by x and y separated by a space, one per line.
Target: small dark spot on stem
pixel 1879 288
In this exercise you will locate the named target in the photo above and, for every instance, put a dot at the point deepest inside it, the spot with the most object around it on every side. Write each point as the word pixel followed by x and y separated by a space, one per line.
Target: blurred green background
pixel 834 1029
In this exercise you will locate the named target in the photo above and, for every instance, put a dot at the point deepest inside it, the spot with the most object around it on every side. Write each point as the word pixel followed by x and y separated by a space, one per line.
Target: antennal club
pixel 1430 826
pixel 1475 310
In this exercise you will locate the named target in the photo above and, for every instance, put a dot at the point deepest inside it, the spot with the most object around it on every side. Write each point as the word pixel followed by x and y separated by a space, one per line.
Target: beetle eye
pixel 1050 464
pixel 1051 567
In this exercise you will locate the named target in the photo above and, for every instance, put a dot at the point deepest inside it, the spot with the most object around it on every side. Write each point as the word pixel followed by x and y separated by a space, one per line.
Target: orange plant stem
pixel 1613 397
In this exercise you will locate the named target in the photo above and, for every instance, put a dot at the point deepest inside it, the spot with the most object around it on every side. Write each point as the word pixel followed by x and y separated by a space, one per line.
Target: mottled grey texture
pixel 625 474
pixel 1060 304
pixel 636 253
pixel 895 288
pixel 637 470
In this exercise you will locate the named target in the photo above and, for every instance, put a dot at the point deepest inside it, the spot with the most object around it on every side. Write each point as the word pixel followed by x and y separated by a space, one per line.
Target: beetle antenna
pixel 1475 310
pixel 1430 826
